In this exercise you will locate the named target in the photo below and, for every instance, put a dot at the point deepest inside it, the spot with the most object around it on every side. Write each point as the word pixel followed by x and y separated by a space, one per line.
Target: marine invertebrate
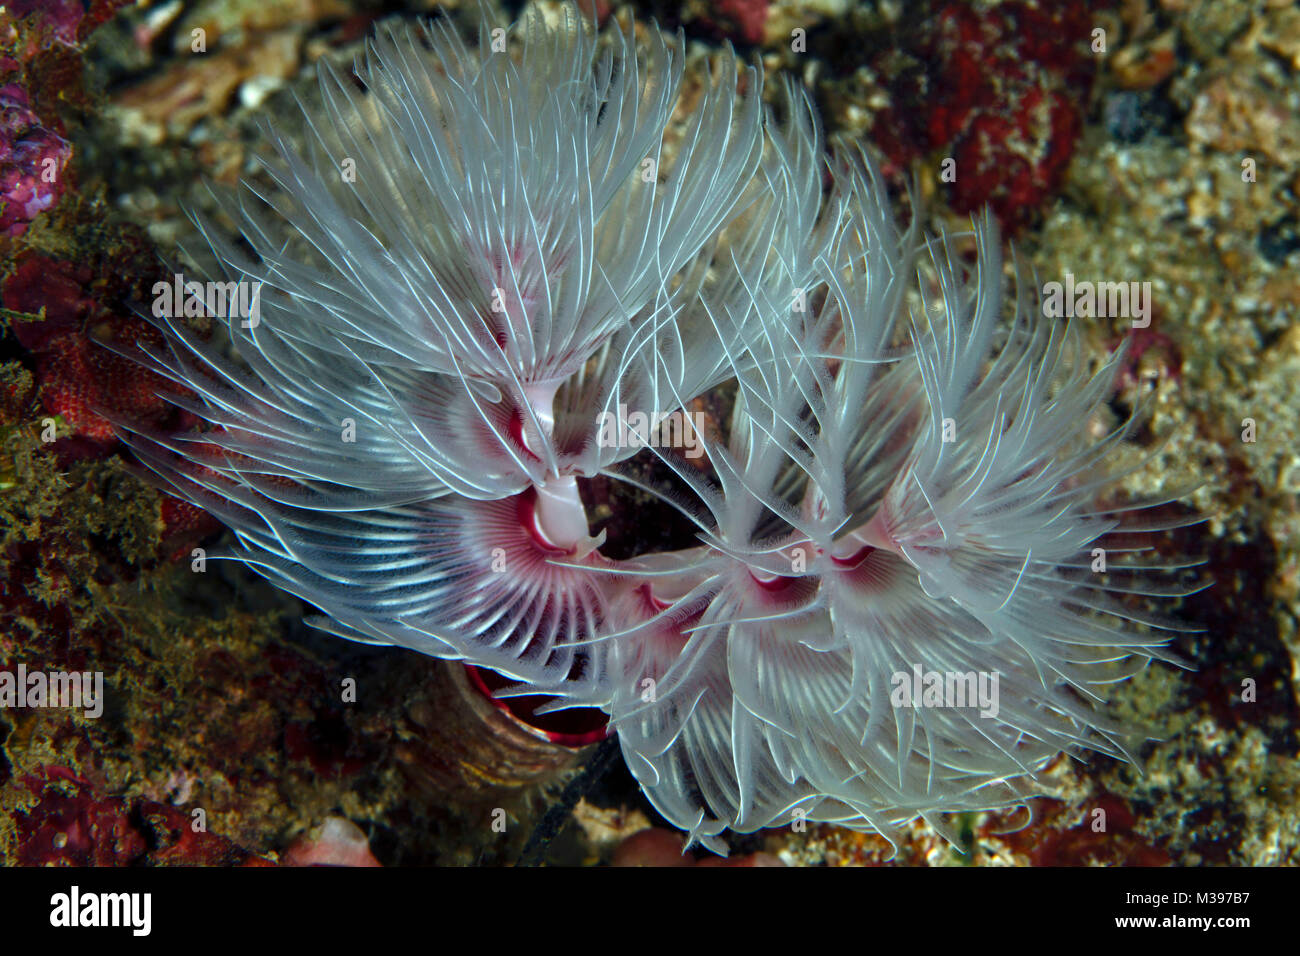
pixel 460 743
pixel 467 269
pixel 32 160
pixel 486 316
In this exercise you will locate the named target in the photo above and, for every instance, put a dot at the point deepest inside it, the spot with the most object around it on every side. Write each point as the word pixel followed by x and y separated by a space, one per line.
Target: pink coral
pixel 32 160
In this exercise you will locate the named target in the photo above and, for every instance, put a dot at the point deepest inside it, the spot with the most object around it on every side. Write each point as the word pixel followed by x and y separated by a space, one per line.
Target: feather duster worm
pixel 500 273
pixel 881 513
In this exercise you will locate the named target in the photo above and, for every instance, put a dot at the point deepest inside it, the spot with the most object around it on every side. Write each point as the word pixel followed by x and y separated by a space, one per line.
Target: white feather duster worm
pixel 467 266
pixel 885 517
pixel 462 266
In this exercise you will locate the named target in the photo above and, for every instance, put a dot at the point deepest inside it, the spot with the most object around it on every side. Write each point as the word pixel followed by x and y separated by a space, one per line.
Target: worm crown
pixel 496 273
